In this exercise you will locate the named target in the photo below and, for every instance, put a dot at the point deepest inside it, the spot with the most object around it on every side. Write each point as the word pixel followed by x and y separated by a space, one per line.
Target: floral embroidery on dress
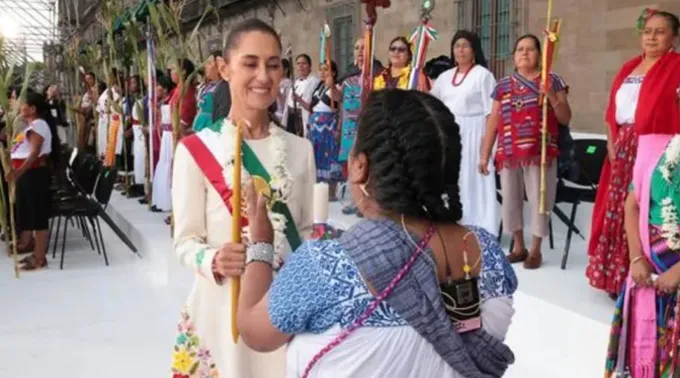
pixel 189 360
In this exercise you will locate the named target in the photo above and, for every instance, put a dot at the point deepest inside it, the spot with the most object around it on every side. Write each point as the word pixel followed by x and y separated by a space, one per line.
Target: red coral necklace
pixel 453 81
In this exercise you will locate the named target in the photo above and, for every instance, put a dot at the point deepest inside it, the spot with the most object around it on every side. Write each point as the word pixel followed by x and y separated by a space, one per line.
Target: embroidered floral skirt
pixel 608 266
pixel 323 127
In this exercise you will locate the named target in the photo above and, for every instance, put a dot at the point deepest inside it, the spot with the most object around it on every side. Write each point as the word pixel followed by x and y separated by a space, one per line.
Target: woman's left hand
pixel 12 175
pixel 261 230
pixel 667 282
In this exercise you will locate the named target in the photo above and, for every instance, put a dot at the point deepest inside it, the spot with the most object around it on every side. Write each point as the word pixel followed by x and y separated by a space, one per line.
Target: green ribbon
pixel 255 168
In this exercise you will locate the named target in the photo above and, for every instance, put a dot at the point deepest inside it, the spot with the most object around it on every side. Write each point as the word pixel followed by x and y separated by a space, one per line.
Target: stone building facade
pixel 597 36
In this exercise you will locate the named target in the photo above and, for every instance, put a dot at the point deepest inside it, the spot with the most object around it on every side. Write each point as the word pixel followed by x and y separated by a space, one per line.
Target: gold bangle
pixel 633 261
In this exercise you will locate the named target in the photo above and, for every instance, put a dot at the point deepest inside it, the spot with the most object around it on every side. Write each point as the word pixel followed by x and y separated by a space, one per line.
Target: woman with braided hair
pixel 407 275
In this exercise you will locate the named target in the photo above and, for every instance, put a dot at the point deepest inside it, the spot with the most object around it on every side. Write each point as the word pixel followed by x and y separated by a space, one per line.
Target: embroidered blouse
pixel 320 286
pixel 385 80
pixel 519 131
pixel 321 99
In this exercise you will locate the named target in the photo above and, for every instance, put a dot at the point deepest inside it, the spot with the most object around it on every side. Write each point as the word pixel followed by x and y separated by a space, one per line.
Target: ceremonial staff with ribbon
pixel 421 38
pixel 369 50
pixel 549 48
pixel 325 56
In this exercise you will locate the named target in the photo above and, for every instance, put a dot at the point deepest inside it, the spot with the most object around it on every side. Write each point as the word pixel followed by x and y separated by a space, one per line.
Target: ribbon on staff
pixel 551 43
pixel 421 38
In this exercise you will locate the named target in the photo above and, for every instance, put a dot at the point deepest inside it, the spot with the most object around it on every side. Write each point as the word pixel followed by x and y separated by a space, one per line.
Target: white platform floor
pixel 118 321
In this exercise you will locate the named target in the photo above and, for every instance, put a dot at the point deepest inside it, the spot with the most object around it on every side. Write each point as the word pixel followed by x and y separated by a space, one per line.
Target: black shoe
pixel 349 210
pixel 143 201
pixel 154 209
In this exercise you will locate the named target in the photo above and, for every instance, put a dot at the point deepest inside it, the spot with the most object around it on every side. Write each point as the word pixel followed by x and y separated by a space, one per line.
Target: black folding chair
pixel 80 175
pixel 590 155
pixel 90 208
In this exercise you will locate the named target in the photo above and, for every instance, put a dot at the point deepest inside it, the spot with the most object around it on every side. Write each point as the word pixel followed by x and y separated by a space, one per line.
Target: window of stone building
pixel 342 20
pixel 497 22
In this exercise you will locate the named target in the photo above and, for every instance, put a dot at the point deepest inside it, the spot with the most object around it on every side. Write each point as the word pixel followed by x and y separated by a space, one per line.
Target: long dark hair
pixel 475 43
pixel 38 101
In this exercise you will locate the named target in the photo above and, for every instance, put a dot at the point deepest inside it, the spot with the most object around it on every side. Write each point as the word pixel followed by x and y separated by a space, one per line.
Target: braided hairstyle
pixel 413 147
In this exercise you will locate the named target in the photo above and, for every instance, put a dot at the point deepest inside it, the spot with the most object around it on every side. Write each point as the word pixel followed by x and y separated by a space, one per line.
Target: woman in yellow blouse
pixel 396 74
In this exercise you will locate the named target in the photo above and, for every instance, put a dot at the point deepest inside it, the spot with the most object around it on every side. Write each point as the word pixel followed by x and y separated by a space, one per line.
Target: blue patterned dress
pixel 323 127
pixel 319 286
pixel 351 107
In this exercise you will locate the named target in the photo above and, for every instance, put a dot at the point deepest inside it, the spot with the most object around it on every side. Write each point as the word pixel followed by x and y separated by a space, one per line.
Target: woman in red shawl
pixel 644 100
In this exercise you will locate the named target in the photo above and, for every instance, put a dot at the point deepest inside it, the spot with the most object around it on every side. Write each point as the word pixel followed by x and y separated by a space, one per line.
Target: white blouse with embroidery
pixel 627 98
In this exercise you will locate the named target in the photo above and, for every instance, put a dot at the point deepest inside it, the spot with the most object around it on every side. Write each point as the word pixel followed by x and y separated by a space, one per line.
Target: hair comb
pixel 644 16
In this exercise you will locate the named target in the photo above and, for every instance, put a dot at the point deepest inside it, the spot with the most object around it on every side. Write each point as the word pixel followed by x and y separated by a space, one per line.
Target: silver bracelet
pixel 262 252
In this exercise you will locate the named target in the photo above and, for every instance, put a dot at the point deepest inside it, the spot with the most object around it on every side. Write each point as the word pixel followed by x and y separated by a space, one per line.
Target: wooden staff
pixel 326 56
pixel 551 33
pixel 236 228
pixel 298 128
pixel 369 50
pixel 11 234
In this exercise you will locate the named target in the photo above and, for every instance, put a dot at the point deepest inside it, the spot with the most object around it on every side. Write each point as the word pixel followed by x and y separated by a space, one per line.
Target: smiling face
pixel 526 54
pixel 255 71
pixel 399 56
pixel 657 36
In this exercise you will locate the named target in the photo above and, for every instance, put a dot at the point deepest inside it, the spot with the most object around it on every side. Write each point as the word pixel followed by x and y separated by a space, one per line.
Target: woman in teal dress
pixel 646 324
pixel 206 97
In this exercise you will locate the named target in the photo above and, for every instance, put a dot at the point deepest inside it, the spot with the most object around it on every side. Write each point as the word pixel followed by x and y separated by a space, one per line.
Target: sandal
pixel 518 256
pixel 22 251
pixel 533 262
pixel 33 264
pixel 168 221
pixel 27 249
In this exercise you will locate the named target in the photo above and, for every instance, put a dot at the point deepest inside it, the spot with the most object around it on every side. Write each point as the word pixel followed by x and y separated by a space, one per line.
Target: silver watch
pixel 262 252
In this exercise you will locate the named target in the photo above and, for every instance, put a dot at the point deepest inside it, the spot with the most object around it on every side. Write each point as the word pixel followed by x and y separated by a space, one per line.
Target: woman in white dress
pixel 104 110
pixel 466 90
pixel 201 191
pixel 161 187
pixel 380 301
